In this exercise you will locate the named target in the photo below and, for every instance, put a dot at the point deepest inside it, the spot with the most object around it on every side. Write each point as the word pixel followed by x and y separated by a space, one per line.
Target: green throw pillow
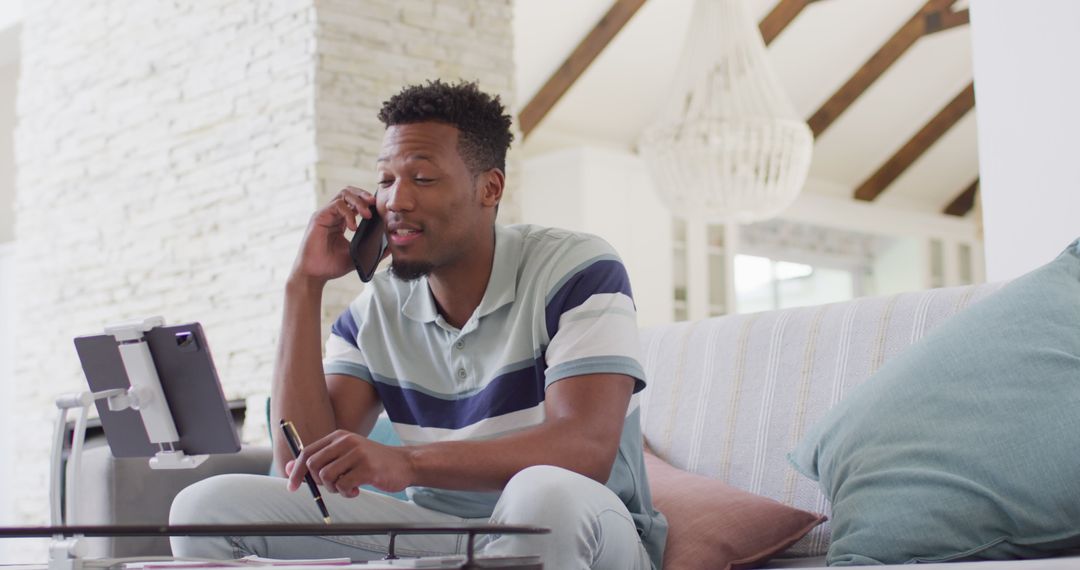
pixel 966 445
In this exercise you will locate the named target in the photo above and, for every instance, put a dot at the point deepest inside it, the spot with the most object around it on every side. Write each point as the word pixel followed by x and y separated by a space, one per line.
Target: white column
pixel 1026 89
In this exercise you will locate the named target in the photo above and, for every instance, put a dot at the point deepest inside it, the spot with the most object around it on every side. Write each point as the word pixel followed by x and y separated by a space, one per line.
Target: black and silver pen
pixel 292 437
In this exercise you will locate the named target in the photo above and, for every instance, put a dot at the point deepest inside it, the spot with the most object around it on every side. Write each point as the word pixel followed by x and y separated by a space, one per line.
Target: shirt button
pixel 459 344
pixel 461 373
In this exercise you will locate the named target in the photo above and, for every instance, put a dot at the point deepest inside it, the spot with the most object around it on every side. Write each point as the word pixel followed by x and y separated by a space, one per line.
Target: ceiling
pixel 618 95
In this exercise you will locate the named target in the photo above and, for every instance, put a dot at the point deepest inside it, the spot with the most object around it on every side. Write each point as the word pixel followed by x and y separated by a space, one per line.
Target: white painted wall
pixel 831 205
pixel 9 75
pixel 10 15
pixel 1026 89
pixel 901 266
pixel 623 207
pixel 607 192
pixel 7 357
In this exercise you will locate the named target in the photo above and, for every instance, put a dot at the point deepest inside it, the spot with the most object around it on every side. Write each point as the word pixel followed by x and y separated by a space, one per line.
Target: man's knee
pixel 547 478
pixel 210 500
pixel 590 527
pixel 541 492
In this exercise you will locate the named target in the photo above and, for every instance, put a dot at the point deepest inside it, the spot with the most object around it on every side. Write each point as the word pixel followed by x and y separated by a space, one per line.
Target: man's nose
pixel 400 197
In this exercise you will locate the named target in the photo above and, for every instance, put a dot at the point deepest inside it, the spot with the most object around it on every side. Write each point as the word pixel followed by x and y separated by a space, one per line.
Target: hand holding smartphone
pixel 368 245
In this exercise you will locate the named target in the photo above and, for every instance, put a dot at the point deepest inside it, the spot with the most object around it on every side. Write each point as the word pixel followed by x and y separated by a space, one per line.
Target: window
pixel 681 277
pixel 937 263
pixel 717 271
pixel 966 264
pixel 763 284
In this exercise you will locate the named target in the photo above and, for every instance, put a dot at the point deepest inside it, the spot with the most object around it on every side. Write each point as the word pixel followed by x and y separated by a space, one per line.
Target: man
pixel 506 358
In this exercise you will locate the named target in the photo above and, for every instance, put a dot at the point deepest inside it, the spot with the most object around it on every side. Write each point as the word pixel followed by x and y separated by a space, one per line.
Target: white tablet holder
pixel 147 397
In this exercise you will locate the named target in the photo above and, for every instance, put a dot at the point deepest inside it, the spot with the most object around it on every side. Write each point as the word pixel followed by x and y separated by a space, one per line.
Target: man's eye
pixel 385 183
pixel 422 180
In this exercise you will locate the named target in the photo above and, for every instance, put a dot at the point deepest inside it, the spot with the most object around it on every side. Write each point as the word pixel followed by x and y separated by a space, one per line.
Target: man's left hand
pixel 342 461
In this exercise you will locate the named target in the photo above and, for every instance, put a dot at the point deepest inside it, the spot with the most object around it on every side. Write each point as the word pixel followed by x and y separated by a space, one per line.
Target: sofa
pixel 728 399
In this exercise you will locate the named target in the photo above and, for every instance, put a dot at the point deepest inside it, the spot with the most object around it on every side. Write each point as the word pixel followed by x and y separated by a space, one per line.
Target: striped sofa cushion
pixel 729 397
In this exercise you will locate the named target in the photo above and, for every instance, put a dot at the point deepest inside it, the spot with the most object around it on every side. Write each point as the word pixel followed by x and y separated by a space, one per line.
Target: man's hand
pixel 343 460
pixel 324 254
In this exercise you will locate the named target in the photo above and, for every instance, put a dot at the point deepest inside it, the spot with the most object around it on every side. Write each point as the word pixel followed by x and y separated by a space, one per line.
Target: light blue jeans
pixel 590 526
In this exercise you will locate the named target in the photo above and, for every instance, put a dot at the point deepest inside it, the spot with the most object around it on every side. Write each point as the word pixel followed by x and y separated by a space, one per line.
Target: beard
pixel 410 271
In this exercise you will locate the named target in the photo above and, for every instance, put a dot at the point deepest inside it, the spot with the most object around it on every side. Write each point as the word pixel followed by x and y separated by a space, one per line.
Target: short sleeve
pixel 592 324
pixel 343 354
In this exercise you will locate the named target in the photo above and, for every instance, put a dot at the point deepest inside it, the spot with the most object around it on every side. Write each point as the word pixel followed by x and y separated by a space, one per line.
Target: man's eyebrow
pixel 410 158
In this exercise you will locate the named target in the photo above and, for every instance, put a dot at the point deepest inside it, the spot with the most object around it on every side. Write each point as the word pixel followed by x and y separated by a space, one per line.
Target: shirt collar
pixel 501 287
pixel 419 305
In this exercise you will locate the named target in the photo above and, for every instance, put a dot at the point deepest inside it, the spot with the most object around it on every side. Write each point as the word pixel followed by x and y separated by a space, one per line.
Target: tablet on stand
pixel 158 396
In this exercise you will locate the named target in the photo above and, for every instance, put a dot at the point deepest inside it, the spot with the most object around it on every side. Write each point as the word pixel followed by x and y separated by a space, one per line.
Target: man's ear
pixel 491 184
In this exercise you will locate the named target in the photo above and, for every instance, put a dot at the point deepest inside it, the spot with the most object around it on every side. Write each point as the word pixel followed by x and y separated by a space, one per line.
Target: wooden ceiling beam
pixel 937 12
pixel 601 35
pixel 917 145
pixel 579 60
pixel 964 202
pixel 946 20
pixel 780 17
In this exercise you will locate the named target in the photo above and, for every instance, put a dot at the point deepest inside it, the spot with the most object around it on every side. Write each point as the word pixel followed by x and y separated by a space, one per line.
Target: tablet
pixel 190 384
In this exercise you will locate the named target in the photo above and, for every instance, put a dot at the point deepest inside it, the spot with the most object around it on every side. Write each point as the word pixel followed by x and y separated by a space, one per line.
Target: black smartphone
pixel 368 245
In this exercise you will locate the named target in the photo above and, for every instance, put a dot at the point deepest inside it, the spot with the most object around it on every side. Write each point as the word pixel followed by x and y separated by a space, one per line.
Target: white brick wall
pixel 166 156
pixel 170 153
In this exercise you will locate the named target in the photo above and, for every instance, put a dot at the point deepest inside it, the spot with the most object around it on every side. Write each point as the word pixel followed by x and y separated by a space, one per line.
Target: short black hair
pixel 480 119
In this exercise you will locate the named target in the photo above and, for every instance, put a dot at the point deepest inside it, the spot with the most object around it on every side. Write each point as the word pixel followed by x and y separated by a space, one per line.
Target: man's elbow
pixel 597 462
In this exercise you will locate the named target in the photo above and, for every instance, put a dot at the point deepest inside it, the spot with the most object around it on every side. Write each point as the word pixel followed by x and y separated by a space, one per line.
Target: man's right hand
pixel 343 460
pixel 324 254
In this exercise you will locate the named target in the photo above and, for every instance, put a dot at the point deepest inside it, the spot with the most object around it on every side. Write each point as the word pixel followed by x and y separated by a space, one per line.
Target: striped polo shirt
pixel 558 304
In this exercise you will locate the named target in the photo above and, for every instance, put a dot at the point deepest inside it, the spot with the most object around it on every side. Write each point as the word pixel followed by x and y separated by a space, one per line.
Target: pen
pixel 292 437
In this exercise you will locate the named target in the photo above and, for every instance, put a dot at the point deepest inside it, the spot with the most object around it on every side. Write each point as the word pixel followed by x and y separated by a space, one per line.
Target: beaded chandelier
pixel 727 145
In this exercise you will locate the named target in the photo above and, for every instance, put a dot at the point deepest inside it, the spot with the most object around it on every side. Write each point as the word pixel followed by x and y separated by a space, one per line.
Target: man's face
pixel 429 198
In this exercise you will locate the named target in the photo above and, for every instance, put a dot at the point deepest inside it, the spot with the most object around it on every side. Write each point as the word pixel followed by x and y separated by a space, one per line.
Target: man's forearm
pixel 299 390
pixel 489 465
pixel 581 433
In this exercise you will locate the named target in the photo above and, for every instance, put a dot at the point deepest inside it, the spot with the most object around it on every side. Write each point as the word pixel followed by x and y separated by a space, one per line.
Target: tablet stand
pixel 146 396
